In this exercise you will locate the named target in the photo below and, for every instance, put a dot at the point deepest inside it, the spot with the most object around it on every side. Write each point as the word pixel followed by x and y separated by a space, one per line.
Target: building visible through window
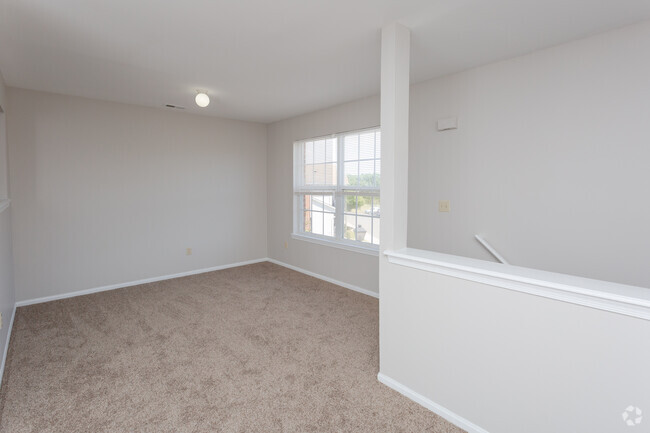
pixel 336 187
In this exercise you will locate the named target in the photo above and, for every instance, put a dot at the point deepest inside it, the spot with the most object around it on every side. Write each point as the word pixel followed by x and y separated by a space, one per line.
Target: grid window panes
pixel 336 186
pixel 319 214
pixel 361 218
pixel 319 161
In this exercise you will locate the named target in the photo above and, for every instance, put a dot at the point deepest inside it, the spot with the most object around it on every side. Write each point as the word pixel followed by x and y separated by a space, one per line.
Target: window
pixel 336 188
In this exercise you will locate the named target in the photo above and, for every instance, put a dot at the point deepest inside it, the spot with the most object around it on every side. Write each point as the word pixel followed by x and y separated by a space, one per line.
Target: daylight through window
pixel 336 187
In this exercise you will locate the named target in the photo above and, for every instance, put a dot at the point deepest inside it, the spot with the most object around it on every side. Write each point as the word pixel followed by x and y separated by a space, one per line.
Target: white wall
pixel 506 361
pixel 7 294
pixel 550 161
pixel 4 167
pixel 511 362
pixel 548 164
pixel 353 268
pixel 108 193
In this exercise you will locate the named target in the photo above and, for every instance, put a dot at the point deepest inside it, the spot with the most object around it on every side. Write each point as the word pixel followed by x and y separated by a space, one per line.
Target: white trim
pixel 134 283
pixel 4 204
pixel 434 407
pixel 6 349
pixel 185 274
pixel 324 278
pixel 602 295
pixel 371 251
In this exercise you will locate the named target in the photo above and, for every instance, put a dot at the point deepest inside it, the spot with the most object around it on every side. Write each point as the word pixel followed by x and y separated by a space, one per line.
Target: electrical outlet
pixel 443 206
pixel 286 244
pixel 188 251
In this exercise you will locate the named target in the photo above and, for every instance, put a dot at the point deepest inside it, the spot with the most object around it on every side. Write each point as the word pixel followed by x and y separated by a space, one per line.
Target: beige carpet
pixel 258 348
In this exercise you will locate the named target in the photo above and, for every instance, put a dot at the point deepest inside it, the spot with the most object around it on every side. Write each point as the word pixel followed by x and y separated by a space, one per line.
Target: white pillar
pixel 395 82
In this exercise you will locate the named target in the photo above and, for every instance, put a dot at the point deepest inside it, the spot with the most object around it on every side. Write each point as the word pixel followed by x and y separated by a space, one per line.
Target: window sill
pixel 4 204
pixel 602 295
pixel 369 250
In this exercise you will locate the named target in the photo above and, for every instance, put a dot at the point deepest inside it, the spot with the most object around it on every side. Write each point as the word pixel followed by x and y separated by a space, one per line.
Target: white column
pixel 395 82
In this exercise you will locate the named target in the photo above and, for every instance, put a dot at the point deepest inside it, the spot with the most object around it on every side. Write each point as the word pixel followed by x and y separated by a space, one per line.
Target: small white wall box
pixel 448 123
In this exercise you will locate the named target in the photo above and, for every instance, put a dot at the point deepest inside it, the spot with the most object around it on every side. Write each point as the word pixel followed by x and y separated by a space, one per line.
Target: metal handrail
pixel 492 251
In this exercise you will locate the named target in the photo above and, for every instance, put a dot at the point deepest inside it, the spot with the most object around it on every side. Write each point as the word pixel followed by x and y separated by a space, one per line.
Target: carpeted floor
pixel 258 348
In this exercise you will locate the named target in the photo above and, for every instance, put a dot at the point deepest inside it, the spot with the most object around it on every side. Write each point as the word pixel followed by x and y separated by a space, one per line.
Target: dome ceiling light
pixel 202 99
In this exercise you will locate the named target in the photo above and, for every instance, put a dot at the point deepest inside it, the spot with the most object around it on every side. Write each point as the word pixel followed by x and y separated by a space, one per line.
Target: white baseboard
pixel 6 349
pixel 324 278
pixel 185 274
pixel 134 283
pixel 434 407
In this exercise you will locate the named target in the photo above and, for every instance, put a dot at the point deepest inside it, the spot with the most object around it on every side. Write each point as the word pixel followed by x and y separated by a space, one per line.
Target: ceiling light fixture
pixel 202 99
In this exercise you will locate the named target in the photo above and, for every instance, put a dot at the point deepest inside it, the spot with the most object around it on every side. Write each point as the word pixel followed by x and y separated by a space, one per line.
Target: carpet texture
pixel 258 348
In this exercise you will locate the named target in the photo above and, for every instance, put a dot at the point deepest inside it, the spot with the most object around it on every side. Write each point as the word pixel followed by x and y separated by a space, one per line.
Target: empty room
pixel 325 216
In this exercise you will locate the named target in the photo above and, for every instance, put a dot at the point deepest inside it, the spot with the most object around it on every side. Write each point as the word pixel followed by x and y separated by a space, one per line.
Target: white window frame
pixel 338 191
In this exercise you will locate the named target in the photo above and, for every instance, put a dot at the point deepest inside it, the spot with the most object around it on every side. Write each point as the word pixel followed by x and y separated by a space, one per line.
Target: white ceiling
pixel 266 60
